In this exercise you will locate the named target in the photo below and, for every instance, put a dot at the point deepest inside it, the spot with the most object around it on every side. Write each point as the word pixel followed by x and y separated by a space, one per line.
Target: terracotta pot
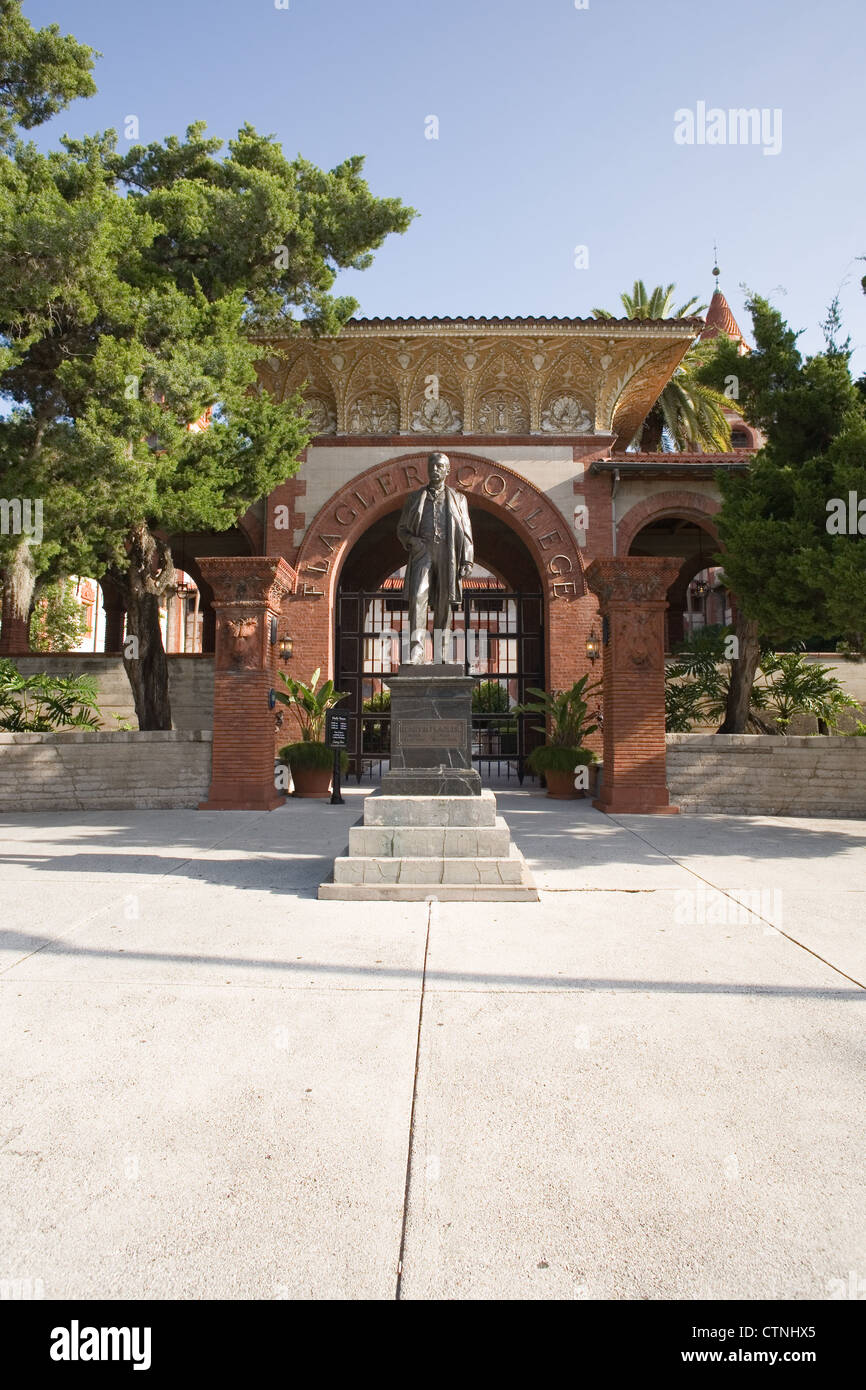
pixel 312 781
pixel 560 785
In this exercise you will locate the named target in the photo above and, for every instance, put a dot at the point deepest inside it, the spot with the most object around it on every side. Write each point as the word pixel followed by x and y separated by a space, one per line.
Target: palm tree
pixel 687 414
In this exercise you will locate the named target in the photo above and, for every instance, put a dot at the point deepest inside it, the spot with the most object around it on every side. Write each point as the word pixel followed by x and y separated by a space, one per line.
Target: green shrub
pixel 382 701
pixel 489 697
pixel 551 757
pixel 39 703
pixel 58 622
pixel 565 713
pixel 306 755
pixel 309 704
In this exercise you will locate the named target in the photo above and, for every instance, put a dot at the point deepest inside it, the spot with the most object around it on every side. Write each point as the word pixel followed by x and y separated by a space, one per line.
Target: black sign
pixel 337 730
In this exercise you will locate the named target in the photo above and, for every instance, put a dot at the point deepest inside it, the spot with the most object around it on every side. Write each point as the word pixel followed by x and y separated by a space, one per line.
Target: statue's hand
pixel 465 570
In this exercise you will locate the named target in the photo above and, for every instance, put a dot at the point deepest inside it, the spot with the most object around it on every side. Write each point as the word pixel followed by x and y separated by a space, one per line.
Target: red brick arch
pixel 692 506
pixel 547 534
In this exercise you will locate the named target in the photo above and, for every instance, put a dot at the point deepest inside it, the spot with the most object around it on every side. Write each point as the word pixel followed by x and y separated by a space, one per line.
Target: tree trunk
pixel 149 573
pixel 148 671
pixel 742 676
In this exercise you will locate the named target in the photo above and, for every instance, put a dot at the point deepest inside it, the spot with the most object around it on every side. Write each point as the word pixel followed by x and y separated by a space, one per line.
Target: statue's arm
pixel 404 535
pixel 467 558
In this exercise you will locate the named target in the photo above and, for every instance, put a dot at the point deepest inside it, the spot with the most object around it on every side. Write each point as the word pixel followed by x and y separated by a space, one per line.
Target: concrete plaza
pixel 215 1085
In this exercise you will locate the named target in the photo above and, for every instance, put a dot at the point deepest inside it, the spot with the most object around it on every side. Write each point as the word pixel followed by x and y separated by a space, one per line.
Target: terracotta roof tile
pixel 720 319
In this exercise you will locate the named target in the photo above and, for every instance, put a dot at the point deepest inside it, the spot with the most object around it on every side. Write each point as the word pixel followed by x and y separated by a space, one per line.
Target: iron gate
pixel 498 636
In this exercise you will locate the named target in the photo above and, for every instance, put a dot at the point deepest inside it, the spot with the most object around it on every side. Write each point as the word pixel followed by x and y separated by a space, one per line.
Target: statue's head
pixel 438 468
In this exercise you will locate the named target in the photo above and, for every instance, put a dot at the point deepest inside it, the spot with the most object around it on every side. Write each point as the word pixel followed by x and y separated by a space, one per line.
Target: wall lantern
pixel 700 588
pixel 592 646
pixel 286 647
pixel 181 589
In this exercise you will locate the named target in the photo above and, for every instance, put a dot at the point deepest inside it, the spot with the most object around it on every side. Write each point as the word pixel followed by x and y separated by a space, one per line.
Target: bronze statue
pixel 435 528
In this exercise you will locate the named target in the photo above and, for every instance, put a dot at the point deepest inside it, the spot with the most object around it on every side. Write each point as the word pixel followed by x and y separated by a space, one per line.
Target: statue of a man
pixel 434 527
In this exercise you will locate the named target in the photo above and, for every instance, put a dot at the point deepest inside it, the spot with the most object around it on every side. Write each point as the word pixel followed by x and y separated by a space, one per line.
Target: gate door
pixel 499 637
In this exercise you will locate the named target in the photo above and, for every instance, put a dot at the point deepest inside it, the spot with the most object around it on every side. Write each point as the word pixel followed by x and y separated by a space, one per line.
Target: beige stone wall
pixel 190 684
pixel 74 770
pixel 760 774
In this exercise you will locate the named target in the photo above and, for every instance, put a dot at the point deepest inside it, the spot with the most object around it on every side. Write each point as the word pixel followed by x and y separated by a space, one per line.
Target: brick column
pixel 15 632
pixel 115 616
pixel 248 592
pixel 632 596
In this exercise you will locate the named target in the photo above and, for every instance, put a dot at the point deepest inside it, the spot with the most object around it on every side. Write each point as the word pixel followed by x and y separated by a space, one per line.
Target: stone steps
pixel 411 848
pixel 430 841
pixel 431 810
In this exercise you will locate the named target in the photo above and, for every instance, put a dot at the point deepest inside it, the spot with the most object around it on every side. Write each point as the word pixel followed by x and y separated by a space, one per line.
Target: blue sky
pixel 556 130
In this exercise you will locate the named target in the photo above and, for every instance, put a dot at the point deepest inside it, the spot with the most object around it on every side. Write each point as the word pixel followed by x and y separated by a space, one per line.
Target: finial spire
pixel 716 270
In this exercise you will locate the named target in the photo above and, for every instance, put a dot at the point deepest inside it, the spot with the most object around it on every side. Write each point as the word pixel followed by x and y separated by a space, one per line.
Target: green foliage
pixel 302 757
pixel 380 701
pixel 790 574
pixel 58 622
pixel 137 289
pixel 690 413
pixel 489 697
pixel 41 72
pixel 793 686
pixel 39 703
pixel 696 687
pixel 557 758
pixel 564 712
pixel 657 304
pixel 696 684
pixel 309 704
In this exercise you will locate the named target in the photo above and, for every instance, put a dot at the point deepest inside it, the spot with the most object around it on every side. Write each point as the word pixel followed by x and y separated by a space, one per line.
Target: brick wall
pixel 760 774
pixel 74 770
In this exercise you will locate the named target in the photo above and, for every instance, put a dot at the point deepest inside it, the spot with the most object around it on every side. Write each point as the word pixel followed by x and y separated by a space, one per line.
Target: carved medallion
pixel 565 415
pixel 502 412
pixel 436 416
pixel 374 414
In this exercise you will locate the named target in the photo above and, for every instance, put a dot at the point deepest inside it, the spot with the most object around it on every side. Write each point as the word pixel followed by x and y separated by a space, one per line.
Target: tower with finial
pixel 719 317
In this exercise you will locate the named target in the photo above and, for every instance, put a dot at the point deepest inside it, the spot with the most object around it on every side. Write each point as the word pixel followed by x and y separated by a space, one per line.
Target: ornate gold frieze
pixel 516 377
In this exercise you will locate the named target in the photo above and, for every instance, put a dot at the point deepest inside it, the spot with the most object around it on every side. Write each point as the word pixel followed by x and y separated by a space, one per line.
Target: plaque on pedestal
pixel 431 733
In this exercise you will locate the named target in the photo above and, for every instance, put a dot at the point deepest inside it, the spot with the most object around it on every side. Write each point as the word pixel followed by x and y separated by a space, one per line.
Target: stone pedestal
pixel 431 733
pixel 410 848
pixel 431 832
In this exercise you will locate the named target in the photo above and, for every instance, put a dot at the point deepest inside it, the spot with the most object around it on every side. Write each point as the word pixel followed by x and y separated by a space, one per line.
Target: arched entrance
pixel 498 637
pixel 679 526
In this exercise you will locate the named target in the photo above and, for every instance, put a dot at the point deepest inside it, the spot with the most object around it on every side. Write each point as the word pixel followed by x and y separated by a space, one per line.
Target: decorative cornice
pixel 556 379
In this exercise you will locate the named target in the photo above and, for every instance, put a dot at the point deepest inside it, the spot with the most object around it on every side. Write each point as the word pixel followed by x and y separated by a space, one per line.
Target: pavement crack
pixel 724 891
pixel 432 916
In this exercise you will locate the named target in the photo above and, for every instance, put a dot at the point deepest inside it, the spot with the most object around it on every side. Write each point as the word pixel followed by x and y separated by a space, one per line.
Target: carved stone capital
pixel 255 580
pixel 631 579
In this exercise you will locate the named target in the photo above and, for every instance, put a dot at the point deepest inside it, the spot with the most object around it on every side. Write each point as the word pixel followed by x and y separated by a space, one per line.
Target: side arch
pixel 691 506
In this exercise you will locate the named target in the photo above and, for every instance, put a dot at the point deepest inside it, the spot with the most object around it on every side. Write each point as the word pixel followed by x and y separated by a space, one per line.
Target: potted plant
pixel 310 760
pixel 565 727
